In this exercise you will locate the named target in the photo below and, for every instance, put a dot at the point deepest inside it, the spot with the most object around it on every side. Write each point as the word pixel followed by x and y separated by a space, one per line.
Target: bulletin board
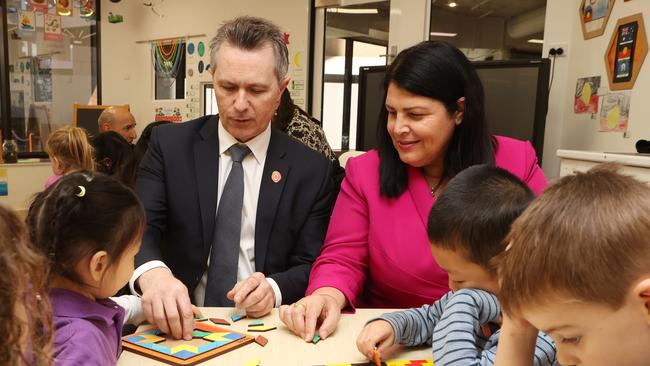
pixel 626 52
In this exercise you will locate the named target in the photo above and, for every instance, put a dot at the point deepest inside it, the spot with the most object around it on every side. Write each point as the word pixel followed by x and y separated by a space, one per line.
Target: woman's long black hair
pixel 439 71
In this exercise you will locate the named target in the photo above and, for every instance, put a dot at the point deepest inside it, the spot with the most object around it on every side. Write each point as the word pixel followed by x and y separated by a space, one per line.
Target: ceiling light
pixel 538 41
pixel 443 34
pixel 452 4
pixel 352 11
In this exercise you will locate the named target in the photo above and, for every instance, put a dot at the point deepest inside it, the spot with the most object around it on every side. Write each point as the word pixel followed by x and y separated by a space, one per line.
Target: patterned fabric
pixel 306 130
pixel 455 326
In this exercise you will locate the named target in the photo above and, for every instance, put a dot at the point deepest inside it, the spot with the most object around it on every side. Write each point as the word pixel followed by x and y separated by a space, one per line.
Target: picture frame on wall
pixel 594 15
pixel 626 52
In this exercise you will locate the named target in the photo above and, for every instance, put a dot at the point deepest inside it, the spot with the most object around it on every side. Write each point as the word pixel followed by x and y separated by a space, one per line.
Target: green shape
pixel 316 339
pixel 201 49
pixel 200 334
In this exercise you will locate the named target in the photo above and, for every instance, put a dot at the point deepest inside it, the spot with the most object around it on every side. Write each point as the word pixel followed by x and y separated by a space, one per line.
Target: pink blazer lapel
pixel 420 193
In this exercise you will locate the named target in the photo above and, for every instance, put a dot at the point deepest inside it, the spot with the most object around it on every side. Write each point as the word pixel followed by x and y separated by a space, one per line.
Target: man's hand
pixel 323 306
pixel 253 294
pixel 166 303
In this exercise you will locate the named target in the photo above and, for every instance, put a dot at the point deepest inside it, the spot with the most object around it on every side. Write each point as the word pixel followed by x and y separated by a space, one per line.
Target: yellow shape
pixel 586 93
pixel 296 59
pixel 185 347
pixel 398 363
pixel 214 337
pixel 255 362
pixel 151 338
pixel 613 117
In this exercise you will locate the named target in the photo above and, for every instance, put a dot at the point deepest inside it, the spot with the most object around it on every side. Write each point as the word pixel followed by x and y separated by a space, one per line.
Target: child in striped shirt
pixel 466 229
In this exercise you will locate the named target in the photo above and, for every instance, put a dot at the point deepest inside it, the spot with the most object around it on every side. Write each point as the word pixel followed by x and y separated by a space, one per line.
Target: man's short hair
pixel 251 33
pixel 474 213
pixel 586 238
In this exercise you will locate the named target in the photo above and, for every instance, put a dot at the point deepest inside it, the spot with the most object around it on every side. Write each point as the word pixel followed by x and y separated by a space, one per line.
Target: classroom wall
pixel 127 71
pixel 566 130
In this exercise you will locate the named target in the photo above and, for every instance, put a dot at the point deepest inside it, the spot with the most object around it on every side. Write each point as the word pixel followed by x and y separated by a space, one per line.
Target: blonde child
pixel 466 229
pixel 69 150
pixel 25 315
pixel 578 268
pixel 90 227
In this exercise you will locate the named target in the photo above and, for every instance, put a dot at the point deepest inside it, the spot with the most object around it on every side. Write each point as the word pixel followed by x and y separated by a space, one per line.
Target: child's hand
pixel 378 333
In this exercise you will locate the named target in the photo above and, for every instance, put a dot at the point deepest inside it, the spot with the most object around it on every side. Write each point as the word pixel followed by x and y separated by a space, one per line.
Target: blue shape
pixel 210 346
pixel 233 336
pixel 159 348
pixel 154 332
pixel 4 189
pixel 237 317
pixel 190 48
pixel 184 354
pixel 134 339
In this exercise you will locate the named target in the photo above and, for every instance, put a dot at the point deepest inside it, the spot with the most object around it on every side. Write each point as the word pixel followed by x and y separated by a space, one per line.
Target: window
pixel 209 100
pixel 52 64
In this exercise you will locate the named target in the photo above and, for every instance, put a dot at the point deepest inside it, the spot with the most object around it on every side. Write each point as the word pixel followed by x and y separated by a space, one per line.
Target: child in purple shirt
pixel 90 228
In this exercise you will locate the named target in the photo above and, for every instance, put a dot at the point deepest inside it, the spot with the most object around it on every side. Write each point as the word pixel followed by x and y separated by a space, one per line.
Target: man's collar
pixel 258 144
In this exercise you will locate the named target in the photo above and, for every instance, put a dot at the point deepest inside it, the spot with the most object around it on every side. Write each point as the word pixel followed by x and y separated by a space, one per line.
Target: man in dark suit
pixel 256 250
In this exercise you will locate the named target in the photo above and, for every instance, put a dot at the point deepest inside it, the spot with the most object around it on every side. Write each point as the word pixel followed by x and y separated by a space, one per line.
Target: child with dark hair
pixel 466 229
pixel 112 156
pixel 90 228
pixel 25 315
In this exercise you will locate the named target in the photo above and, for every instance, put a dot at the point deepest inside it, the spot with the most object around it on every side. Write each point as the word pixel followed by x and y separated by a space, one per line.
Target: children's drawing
pixel 586 97
pixel 615 112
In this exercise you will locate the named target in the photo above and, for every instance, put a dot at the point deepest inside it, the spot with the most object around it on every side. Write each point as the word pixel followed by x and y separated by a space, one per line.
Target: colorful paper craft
pixel 219 321
pixel 389 363
pixel 261 340
pixel 151 343
pixel 237 317
pixel 262 328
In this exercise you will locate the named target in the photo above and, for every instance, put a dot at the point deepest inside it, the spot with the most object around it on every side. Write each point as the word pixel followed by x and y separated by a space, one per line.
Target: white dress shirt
pixel 253 166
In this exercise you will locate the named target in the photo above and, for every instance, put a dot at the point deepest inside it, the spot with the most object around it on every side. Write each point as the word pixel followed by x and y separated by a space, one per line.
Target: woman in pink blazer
pixel 376 252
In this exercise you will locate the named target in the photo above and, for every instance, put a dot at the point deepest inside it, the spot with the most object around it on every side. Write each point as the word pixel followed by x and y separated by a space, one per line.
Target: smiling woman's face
pixel 420 127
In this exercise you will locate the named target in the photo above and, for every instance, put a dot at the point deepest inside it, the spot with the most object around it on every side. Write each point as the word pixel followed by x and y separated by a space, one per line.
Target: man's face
pixel 247 89
pixel 124 124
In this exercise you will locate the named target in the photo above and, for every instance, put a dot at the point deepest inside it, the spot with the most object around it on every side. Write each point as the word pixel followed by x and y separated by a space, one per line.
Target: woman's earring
pixel 458 121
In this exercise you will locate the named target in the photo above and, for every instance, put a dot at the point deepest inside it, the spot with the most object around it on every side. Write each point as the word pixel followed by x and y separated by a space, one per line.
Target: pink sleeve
pixel 533 176
pixel 343 259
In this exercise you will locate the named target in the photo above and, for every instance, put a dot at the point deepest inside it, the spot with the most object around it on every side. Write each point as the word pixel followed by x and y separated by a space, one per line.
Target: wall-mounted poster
pixel 172 114
pixel 38 5
pixel 586 97
pixel 26 21
pixel 64 7
pixel 52 28
pixel 626 52
pixel 615 112
pixel 593 16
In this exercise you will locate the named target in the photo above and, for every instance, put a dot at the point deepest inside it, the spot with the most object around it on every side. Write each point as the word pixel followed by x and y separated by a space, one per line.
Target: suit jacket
pixel 177 184
pixel 376 251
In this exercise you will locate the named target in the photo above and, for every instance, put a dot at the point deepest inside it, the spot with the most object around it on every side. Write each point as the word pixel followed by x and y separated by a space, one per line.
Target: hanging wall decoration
pixel 593 16
pixel 26 21
pixel 201 49
pixel 586 97
pixel 38 5
pixel 88 10
pixel 167 58
pixel 200 67
pixel 190 48
pixel 52 27
pixel 64 7
pixel 626 52
pixel 615 112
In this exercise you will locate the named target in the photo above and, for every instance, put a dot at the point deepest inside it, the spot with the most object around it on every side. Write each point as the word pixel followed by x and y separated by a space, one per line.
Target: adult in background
pixel 236 210
pixel 376 253
pixel 120 120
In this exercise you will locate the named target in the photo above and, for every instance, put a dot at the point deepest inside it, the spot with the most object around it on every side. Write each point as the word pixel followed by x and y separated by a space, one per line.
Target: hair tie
pixel 82 191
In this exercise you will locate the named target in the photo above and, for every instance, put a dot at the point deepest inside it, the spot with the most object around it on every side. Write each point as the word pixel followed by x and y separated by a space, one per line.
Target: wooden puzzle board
pixel 389 363
pixel 209 341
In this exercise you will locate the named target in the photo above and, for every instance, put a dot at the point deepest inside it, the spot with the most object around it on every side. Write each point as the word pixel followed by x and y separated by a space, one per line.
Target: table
pixel 286 349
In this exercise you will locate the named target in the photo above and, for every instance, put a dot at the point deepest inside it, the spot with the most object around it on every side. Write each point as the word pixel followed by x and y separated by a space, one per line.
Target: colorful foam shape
pixel 156 347
pixel 255 323
pixel 184 355
pixel 210 346
pixel 237 317
pixel 134 339
pixel 200 334
pixel 315 339
pixel 261 329
pixel 207 327
pixel 185 347
pixel 233 336
pixel 261 340
pixel 254 362
pixel 219 321
pixel 220 336
pixel 151 338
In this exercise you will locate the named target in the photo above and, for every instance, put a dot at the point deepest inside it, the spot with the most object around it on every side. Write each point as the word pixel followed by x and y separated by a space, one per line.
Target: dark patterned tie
pixel 224 256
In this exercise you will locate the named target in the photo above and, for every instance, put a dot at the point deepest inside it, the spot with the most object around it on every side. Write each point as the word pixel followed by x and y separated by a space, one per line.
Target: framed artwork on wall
pixel 626 52
pixel 593 16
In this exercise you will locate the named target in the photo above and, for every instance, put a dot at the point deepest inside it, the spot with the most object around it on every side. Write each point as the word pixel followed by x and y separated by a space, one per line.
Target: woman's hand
pixel 379 334
pixel 323 306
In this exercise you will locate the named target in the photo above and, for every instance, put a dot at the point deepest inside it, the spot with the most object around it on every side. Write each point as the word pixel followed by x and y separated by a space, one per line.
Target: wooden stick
pixel 171 38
